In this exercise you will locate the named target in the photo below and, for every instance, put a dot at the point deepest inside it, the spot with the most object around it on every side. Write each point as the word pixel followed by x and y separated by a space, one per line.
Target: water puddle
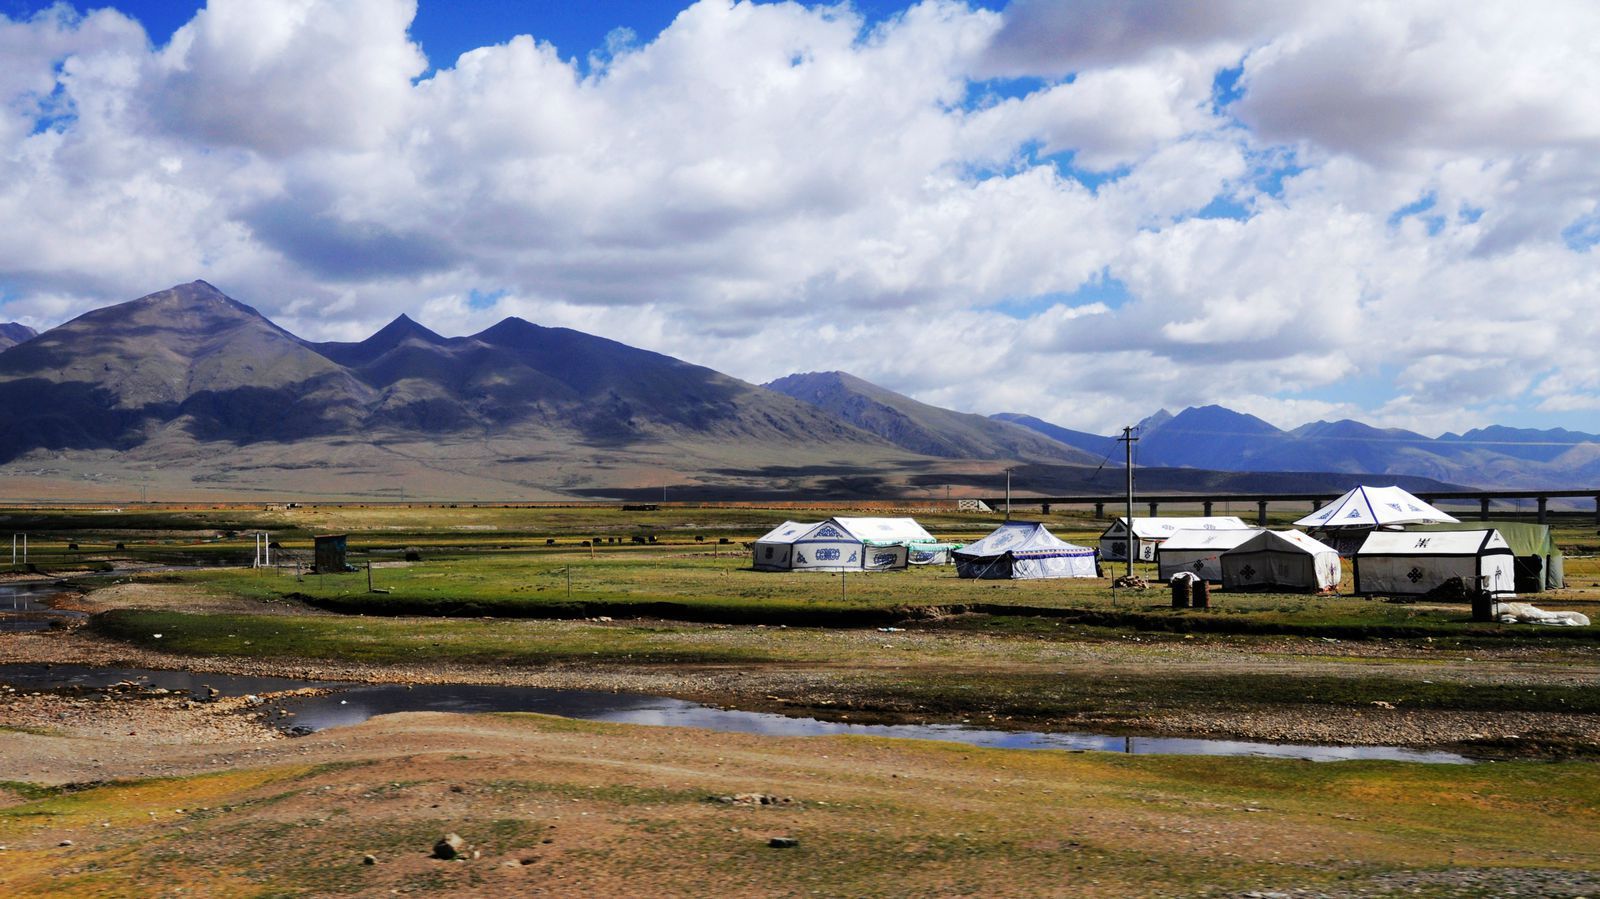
pixel 352 704
pixel 23 608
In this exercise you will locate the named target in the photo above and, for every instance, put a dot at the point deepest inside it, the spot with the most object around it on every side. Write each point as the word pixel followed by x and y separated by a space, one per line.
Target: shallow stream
pixel 349 704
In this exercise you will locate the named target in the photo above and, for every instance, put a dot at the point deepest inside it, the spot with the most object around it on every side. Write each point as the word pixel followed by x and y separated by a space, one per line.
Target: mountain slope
pixel 12 333
pixel 921 428
pixel 188 357
pixel 1094 444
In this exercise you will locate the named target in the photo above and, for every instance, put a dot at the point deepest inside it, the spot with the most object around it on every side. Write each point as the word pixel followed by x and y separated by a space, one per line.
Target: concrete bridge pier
pixel 1483 509
pixel 1100 508
pixel 1207 506
pixel 1044 508
pixel 1153 512
pixel 1261 512
pixel 1544 510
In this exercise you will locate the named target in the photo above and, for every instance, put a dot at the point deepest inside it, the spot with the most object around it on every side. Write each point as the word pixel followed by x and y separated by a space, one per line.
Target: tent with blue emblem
pixel 839 544
pixel 1374 507
pixel 1024 550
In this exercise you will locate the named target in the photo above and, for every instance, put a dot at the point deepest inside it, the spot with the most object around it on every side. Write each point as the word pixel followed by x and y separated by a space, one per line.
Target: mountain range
pixel 194 394
pixel 1216 438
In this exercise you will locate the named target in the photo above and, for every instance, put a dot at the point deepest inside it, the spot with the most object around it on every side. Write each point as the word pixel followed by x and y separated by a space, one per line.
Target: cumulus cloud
pixel 1134 205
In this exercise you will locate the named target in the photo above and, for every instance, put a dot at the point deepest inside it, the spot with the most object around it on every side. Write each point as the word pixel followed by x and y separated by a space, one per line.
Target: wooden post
pixel 369 575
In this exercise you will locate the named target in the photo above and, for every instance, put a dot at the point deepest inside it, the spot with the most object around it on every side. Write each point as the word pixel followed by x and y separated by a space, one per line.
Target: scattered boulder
pixel 450 846
pixel 369 859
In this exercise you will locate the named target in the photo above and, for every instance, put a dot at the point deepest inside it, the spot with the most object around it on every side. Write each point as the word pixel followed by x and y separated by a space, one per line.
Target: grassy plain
pixel 626 808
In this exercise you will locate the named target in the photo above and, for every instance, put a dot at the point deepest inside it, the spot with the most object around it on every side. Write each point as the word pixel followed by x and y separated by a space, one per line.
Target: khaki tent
pixel 1412 563
pixel 1284 560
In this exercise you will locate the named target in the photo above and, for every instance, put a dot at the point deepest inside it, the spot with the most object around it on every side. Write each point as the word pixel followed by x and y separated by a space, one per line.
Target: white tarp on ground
pixel 1286 560
pixel 1371 507
pixel 1023 550
pixel 1149 533
pixel 838 544
pixel 1198 552
pixel 1411 563
pixel 1522 613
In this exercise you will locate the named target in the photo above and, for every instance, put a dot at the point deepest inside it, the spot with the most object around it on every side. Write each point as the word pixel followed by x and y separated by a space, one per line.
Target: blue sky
pixel 1299 210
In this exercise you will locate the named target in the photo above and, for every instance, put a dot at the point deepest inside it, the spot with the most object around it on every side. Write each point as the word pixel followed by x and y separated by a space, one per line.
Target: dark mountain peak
pixel 1349 428
pixel 404 328
pixel 403 331
pixel 1220 419
pixel 1153 423
pixel 817 382
pixel 13 333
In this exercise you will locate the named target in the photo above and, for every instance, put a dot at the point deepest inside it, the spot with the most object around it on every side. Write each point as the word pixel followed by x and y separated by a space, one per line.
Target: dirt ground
pixel 555 807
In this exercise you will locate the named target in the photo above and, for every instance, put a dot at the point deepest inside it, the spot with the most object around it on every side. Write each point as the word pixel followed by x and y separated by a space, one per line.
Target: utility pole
pixel 1008 494
pixel 1128 440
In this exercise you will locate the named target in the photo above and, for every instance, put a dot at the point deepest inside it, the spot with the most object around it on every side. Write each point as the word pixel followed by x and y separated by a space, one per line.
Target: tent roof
pixel 788 532
pixel 885 530
pixel 1162 528
pixel 1370 507
pixel 1019 537
pixel 1284 541
pixel 1227 538
pixel 1431 543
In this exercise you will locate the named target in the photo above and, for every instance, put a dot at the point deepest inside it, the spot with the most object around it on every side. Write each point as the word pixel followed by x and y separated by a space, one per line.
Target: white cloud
pixel 1398 190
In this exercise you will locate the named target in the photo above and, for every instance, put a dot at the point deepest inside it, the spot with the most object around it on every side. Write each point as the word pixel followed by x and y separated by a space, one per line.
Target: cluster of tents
pixel 1398 546
pixel 1020 550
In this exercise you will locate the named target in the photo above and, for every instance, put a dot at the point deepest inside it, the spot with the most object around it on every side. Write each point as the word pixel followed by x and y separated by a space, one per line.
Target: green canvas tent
pixel 1539 563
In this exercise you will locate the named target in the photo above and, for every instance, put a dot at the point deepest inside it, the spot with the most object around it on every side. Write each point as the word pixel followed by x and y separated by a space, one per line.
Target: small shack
pixel 1198 552
pixel 1281 560
pixel 1412 563
pixel 1023 550
pixel 839 544
pixel 329 555
pixel 1149 533
pixel 1539 563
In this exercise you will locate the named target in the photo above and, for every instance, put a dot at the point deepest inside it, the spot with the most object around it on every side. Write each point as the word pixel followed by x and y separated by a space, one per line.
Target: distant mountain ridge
pixel 188 386
pixel 919 427
pixel 1220 439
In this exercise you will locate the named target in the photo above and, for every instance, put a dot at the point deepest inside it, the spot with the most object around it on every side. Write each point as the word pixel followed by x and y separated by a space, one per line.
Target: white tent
pixel 1198 552
pixel 1023 550
pixel 838 544
pixel 1411 563
pixel 1148 533
pixel 1283 559
pixel 1372 507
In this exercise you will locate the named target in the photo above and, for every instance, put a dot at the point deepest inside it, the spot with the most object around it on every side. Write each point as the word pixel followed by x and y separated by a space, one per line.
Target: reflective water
pixel 23 608
pixel 353 704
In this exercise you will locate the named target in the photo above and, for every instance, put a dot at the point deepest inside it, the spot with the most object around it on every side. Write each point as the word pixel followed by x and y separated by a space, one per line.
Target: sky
pixel 1082 210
